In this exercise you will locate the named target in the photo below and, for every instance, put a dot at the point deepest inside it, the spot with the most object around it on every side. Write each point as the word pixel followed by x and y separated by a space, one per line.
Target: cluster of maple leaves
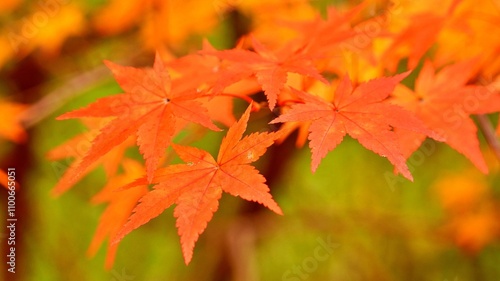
pixel 321 81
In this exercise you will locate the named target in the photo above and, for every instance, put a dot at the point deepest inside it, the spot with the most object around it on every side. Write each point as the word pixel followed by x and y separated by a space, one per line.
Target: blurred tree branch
pixel 58 97
pixel 489 134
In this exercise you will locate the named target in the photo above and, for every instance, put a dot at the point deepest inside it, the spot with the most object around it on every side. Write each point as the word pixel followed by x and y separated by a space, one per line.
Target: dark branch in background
pixel 57 98
pixel 73 87
pixel 484 123
pixel 489 134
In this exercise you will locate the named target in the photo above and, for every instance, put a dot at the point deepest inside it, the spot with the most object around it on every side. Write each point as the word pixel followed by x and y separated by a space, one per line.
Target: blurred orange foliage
pixel 473 219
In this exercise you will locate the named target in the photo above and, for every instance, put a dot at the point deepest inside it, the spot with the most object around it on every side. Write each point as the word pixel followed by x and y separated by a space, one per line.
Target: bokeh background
pixel 351 220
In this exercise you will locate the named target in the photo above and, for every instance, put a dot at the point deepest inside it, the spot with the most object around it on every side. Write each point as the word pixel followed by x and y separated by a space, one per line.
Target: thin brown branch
pixel 57 98
pixel 489 134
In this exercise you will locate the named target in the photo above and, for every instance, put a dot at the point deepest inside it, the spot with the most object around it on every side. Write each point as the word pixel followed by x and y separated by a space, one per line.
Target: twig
pixel 489 134
pixel 59 96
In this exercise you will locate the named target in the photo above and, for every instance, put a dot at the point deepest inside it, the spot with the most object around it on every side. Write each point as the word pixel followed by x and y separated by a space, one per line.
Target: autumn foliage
pixel 382 114
pixel 382 73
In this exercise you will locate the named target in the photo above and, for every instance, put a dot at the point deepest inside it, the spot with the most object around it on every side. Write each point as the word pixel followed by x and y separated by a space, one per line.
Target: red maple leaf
pixel 196 187
pixel 153 107
pixel 444 102
pixel 360 112
pixel 270 68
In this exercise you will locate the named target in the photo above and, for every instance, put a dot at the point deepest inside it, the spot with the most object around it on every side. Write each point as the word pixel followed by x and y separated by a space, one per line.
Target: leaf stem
pixel 245 98
pixel 255 106
pixel 285 102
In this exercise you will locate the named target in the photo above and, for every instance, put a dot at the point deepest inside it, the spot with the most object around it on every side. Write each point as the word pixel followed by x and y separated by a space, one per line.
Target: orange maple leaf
pixel 418 36
pixel 412 42
pixel 153 107
pixel 444 103
pixel 207 71
pixel 270 68
pixel 320 37
pixel 359 112
pixel 197 186
pixel 472 25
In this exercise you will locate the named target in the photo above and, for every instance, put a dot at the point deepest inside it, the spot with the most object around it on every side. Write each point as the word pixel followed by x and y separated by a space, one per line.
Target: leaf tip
pixel 187 258
pixel 401 76
pixel 55 193
pixel 109 64
pixel 118 237
pixel 314 166
pixel 64 116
